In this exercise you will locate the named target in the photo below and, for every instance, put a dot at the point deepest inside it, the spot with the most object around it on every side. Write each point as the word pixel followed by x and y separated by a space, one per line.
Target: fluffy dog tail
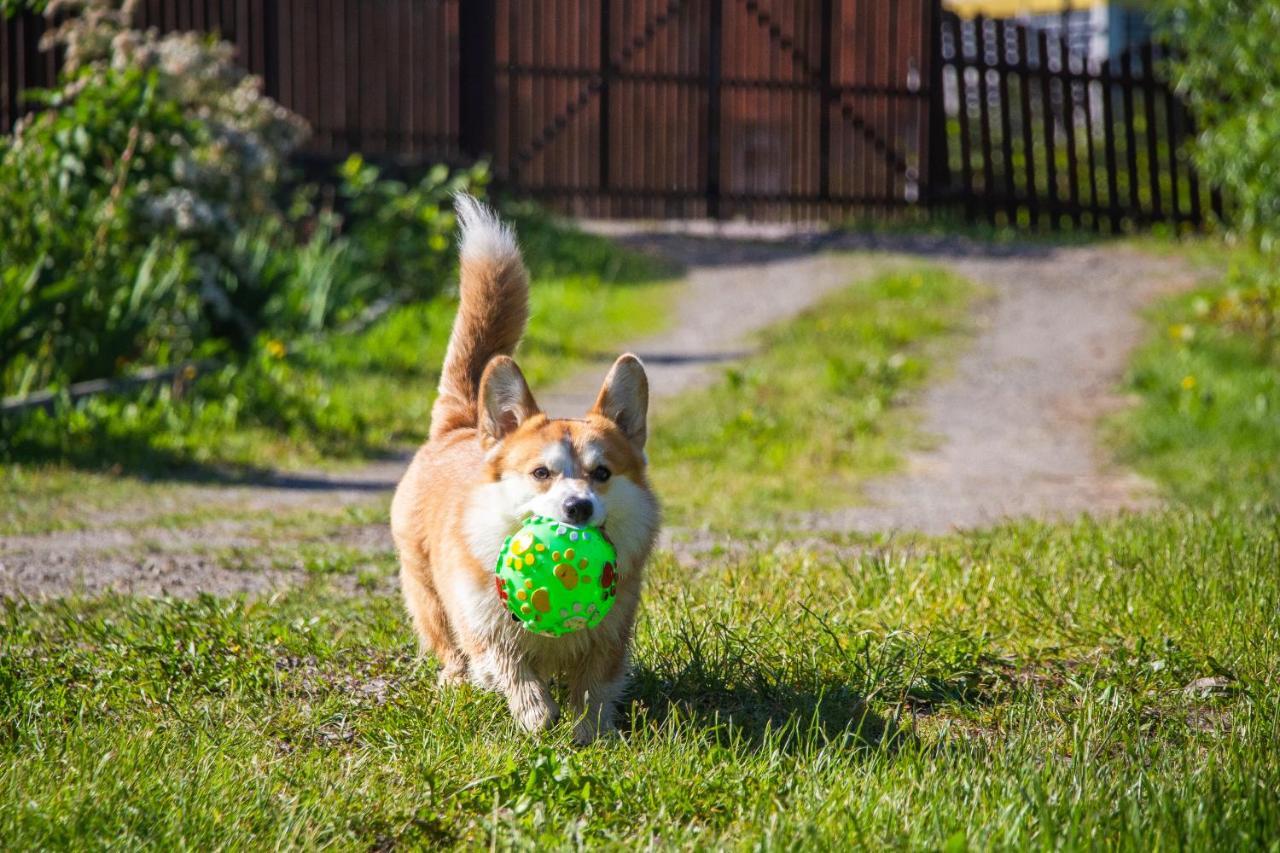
pixel 492 312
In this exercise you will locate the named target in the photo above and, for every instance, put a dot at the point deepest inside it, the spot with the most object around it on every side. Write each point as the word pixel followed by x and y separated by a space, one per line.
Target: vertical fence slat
pixel 715 36
pixel 1171 127
pixel 1109 142
pixel 966 148
pixel 1153 142
pixel 1046 114
pixel 1068 93
pixel 1028 129
pixel 984 113
pixel 1006 120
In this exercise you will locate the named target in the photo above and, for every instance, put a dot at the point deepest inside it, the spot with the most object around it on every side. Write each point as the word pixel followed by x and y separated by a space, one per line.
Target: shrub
pixel 1230 75
pixel 139 220
pixel 123 202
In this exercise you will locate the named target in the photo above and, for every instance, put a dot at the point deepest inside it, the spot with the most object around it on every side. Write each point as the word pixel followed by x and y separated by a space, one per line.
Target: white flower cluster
pixel 227 169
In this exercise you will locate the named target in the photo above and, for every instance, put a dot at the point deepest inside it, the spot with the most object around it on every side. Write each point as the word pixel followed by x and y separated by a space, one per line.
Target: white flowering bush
pixel 124 202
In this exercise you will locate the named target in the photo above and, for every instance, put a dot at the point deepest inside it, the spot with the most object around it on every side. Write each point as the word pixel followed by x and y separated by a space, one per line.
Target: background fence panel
pixel 720 108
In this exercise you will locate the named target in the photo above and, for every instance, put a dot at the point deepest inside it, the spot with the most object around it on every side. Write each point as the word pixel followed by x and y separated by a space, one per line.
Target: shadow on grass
pixel 777 714
pixel 135 455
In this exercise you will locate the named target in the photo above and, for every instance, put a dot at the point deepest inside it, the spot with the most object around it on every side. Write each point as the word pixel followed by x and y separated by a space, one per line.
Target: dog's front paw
pixel 589 730
pixel 452 675
pixel 535 713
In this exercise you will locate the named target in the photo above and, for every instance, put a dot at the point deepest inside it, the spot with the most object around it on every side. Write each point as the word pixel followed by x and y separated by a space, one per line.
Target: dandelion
pixel 1188 382
pixel 276 349
pixel 1182 332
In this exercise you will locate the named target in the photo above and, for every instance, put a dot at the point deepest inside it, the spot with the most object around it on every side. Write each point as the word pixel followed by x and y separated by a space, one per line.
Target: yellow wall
pixel 1009 8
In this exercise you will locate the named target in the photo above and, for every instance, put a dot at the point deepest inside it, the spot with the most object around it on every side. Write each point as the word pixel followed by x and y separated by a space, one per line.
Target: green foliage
pixel 401 234
pixel 294 398
pixel 123 203
pixel 139 225
pixel 1230 75
pixel 9 8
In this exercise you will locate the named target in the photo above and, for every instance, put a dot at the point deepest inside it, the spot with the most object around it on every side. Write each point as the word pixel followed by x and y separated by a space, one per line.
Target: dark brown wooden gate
pixel 798 109
pixel 712 107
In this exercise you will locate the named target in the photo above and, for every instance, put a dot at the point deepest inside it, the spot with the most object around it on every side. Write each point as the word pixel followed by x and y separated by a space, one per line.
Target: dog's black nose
pixel 578 510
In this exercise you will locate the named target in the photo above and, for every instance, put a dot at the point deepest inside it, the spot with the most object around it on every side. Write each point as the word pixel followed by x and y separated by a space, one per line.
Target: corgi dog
pixel 494 458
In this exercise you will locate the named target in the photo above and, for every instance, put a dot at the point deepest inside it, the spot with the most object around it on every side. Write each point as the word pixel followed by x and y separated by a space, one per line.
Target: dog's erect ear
pixel 505 400
pixel 624 399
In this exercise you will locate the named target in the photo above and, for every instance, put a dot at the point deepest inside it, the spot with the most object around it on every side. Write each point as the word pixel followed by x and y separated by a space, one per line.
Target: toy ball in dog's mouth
pixel 556 578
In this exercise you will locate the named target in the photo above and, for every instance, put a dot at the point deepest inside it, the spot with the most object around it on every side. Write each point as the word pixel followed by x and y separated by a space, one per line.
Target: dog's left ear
pixel 624 399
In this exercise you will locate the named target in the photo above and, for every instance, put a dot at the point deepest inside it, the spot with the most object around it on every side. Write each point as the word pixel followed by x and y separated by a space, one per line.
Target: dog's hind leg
pixel 429 618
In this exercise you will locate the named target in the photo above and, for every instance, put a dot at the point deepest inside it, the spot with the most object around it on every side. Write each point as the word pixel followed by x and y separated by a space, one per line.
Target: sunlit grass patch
pixel 1086 682
pixel 1208 380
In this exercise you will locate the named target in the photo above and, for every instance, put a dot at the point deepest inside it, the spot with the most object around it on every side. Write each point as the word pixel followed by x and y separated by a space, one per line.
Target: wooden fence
pixel 760 108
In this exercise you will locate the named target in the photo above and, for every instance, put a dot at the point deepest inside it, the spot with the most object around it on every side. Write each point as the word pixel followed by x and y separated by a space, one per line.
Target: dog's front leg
pixel 594 690
pixel 528 696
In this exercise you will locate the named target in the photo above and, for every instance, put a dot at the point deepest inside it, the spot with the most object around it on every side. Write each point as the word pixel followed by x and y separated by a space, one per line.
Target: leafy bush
pixel 139 221
pixel 123 202
pixel 1231 77
pixel 9 8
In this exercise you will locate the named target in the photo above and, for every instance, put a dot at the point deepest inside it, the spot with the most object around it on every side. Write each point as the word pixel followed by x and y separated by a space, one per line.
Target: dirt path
pixel 1014 423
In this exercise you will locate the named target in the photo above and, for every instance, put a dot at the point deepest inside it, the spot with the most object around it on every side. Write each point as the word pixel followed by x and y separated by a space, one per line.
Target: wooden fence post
pixel 477 72
pixel 715 41
pixel 826 99
pixel 938 173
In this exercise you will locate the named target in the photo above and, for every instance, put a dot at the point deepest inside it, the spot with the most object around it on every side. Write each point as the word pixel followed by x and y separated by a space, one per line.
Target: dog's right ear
pixel 505 400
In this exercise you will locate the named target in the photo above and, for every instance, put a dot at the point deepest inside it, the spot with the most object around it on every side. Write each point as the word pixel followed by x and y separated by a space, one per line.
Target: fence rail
pixel 763 108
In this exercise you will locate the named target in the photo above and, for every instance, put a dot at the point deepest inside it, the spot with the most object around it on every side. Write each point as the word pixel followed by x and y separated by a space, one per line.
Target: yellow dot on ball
pixel 555 556
pixel 528 559
pixel 583 563
pixel 524 608
pixel 528 584
pixel 540 547
pixel 568 554
pixel 521 542
pixel 522 595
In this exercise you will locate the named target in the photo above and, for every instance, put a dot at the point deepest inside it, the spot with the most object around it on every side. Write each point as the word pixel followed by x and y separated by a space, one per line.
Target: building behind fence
pixel 720 108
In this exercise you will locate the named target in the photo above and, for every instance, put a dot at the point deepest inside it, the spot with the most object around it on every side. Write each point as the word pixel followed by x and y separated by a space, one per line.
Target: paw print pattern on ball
pixel 556 578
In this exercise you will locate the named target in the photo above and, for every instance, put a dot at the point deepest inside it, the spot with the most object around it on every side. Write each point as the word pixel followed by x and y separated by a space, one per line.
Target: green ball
pixel 556 578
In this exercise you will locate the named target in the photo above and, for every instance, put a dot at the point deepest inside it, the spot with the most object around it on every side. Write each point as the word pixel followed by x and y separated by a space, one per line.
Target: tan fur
pixel 470 485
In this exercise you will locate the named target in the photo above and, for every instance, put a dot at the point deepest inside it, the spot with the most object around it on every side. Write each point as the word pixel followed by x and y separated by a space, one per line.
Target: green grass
pixel 1093 684
pixel 1209 376
pixel 802 423
pixel 1025 686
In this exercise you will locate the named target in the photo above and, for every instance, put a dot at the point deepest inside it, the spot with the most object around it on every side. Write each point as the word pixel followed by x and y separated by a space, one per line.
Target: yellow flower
pixel 1188 382
pixel 276 349
pixel 1182 332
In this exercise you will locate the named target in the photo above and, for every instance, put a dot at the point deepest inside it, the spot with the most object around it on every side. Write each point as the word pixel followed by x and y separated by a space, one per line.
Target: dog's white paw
pixel 588 730
pixel 452 676
pixel 536 713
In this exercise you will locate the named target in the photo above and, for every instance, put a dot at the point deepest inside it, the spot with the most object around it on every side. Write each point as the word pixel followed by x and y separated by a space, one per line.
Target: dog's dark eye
pixel 541 473
pixel 601 473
